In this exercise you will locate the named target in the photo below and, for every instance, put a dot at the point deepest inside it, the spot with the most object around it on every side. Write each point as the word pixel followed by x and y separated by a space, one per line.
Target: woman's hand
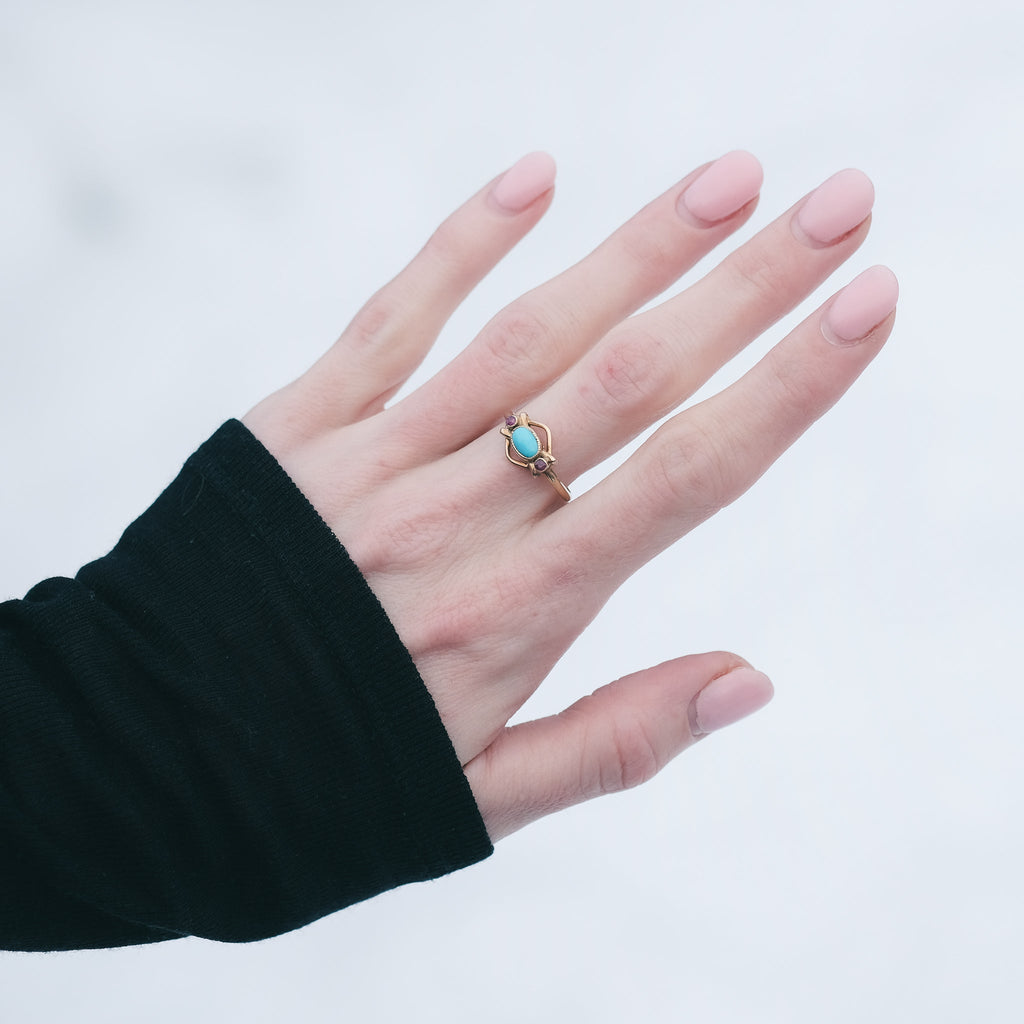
pixel 486 573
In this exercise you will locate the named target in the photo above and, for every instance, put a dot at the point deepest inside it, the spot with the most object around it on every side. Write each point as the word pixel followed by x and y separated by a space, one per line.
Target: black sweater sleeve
pixel 215 730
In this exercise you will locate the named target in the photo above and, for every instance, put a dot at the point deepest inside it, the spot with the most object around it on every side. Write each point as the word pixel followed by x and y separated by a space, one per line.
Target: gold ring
pixel 522 440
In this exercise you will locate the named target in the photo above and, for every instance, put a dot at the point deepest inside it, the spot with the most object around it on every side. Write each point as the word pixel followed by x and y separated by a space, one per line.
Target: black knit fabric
pixel 215 730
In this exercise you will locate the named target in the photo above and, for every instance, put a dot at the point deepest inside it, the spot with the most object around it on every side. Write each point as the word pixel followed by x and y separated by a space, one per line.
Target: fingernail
pixel 835 207
pixel 723 188
pixel 524 182
pixel 727 699
pixel 861 306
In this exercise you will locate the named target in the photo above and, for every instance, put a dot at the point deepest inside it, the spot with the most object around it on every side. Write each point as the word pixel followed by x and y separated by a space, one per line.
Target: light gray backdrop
pixel 197 195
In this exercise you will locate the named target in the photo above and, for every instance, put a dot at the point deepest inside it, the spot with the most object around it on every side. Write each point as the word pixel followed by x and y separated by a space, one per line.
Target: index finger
pixel 704 458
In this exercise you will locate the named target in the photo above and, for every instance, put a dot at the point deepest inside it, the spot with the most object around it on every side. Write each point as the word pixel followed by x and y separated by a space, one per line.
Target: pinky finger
pixel 394 331
pixel 617 738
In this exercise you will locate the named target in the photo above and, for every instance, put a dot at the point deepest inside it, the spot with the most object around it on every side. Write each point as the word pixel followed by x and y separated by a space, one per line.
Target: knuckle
pixel 797 384
pixel 516 336
pixel 369 328
pixel 634 757
pixel 688 471
pixel 625 374
pixel 450 249
pixel 651 254
pixel 760 276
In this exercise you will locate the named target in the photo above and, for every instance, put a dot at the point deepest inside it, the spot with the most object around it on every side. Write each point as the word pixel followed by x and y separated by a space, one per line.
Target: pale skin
pixel 486 573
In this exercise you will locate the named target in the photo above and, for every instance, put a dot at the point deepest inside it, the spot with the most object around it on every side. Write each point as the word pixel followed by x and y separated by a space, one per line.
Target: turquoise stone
pixel 526 442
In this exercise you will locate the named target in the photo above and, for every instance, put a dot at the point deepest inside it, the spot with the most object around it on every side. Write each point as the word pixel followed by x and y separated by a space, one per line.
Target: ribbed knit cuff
pixel 434 803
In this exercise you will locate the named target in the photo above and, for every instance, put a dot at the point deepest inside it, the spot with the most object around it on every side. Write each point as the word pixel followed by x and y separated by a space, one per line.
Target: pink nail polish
pixel 727 699
pixel 722 189
pixel 861 306
pixel 524 182
pixel 835 208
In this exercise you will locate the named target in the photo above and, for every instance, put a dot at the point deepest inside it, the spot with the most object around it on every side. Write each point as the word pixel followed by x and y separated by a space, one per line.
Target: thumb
pixel 620 736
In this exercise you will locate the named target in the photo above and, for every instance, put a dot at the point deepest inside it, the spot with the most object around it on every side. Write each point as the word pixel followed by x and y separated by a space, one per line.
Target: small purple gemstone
pixel 510 421
pixel 540 465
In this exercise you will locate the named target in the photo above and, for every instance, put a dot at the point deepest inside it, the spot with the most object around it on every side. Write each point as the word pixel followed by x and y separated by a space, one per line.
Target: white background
pixel 195 198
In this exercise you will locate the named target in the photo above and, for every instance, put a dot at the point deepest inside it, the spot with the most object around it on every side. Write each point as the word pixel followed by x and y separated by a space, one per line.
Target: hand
pixel 486 573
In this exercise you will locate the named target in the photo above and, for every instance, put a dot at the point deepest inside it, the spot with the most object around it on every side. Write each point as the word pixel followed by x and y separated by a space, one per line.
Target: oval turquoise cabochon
pixel 526 442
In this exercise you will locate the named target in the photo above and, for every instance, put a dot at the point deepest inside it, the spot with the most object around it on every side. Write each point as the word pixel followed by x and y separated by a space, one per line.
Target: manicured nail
pixel 525 182
pixel 861 306
pixel 835 208
pixel 727 699
pixel 723 188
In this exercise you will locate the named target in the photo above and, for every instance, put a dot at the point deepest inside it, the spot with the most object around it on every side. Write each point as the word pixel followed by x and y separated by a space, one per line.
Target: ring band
pixel 523 448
